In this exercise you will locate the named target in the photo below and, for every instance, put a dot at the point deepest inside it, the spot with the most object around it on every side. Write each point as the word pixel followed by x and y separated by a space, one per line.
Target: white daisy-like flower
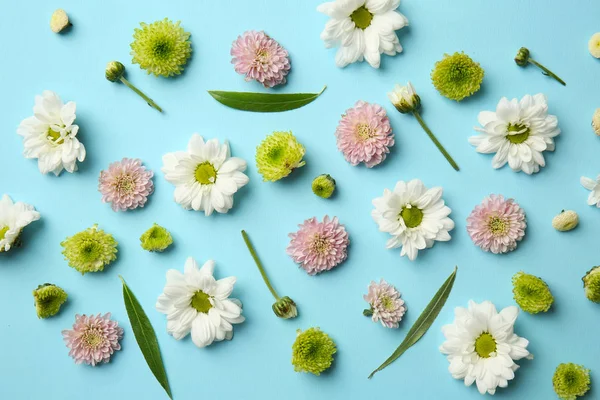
pixel 594 186
pixel 198 303
pixel 362 29
pixel 482 347
pixel 414 216
pixel 50 135
pixel 518 132
pixel 205 176
pixel 13 218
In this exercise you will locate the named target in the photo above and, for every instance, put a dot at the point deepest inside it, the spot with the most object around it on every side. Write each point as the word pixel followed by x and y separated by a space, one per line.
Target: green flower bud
pixel 285 308
pixel 114 71
pixel 323 186
pixel 522 57
pixel 591 284
pixel 565 221
pixel 59 21
pixel 48 300
pixel 156 238
pixel 312 351
pixel 404 98
pixel 571 381
pixel 531 293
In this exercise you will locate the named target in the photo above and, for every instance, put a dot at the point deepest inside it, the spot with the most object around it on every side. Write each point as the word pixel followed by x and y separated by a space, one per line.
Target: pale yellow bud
pixel 565 221
pixel 59 20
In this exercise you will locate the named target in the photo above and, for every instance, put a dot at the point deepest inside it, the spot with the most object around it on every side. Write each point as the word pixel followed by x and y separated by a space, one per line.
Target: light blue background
pixel 115 123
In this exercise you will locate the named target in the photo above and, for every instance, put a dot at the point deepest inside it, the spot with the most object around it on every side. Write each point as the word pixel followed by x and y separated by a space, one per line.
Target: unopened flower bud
pixel 285 308
pixel 596 122
pixel 59 20
pixel 323 186
pixel 522 57
pixel 114 71
pixel 594 45
pixel 565 221
pixel 404 98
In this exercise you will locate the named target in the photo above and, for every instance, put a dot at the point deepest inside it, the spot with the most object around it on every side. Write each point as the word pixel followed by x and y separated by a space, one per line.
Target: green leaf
pixel 424 321
pixel 264 102
pixel 145 337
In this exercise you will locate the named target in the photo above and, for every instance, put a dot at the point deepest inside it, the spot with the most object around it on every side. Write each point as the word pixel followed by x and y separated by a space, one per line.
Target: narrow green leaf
pixel 264 102
pixel 424 321
pixel 145 337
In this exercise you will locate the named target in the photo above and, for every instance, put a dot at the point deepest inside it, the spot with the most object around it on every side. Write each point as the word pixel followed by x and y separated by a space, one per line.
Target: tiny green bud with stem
pixel 284 307
pixel 115 71
pixel 523 58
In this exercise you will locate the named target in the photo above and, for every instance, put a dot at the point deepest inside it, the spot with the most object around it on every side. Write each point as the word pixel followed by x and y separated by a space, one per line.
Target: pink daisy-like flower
pixel 259 57
pixel 497 224
pixel 364 134
pixel 386 304
pixel 93 339
pixel 126 184
pixel 319 246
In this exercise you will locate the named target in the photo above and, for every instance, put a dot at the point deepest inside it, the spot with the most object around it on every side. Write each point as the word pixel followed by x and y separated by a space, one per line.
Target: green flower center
pixel 387 303
pixel 275 153
pixel 54 136
pixel 498 226
pixel 485 345
pixel 412 216
pixel 320 244
pixel 364 132
pixel 201 302
pixel 361 17
pixel 205 174
pixel 518 137
pixel 92 338
pixel 91 251
pixel 125 183
pixel 162 48
pixel 3 230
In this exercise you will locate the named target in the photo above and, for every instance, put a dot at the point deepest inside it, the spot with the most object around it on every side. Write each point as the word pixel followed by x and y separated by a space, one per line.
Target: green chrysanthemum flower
pixel 90 250
pixel 161 48
pixel 278 155
pixel 571 381
pixel 591 284
pixel 312 351
pixel 48 300
pixel 323 186
pixel 156 238
pixel 531 293
pixel 457 76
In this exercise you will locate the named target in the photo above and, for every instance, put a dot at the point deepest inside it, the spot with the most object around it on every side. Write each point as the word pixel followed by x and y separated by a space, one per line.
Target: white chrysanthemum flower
pixel 482 347
pixel 518 132
pixel 198 303
pixel 415 216
pixel 206 176
pixel 13 218
pixel 594 186
pixel 363 29
pixel 50 135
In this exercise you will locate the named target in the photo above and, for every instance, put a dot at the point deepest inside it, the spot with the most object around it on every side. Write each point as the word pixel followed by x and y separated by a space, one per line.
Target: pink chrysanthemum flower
pixel 497 224
pixel 386 304
pixel 93 339
pixel 126 184
pixel 364 134
pixel 259 57
pixel 319 246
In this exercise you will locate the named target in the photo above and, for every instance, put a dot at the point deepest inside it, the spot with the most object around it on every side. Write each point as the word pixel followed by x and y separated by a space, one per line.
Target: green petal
pixel 457 76
pixel 156 238
pixel 531 293
pixel 48 300
pixel 312 351
pixel 90 250
pixel 571 381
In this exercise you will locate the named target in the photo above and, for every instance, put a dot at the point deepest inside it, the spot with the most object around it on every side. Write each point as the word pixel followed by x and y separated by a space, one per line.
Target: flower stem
pixel 547 71
pixel 259 264
pixel 435 141
pixel 150 102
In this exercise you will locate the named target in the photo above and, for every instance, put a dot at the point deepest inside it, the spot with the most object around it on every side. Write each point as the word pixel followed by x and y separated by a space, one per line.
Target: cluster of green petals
pixel 161 48
pixel 591 284
pixel 571 381
pixel 457 76
pixel 48 300
pixel 531 293
pixel 323 186
pixel 312 351
pixel 156 238
pixel 278 155
pixel 90 250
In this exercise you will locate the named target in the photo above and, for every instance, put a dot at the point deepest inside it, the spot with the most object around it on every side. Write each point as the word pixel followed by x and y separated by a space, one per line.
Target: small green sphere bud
pixel 591 284
pixel 285 308
pixel 571 381
pixel 59 21
pixel 114 71
pixel 531 293
pixel 48 300
pixel 323 186
pixel 522 57
pixel 565 221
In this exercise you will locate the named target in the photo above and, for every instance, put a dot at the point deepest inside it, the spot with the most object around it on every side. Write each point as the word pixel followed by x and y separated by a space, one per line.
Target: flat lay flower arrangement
pixel 227 202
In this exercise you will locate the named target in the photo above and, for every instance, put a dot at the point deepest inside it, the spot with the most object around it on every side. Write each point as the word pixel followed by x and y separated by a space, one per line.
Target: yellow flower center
pixel 364 131
pixel 54 137
pixel 521 136
pixel 205 174
pixel 320 245
pixel 497 226
pixel 412 216
pixel 3 230
pixel 124 183
pixel 92 338
pixel 485 345
pixel 361 17
pixel 387 303
pixel 201 302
